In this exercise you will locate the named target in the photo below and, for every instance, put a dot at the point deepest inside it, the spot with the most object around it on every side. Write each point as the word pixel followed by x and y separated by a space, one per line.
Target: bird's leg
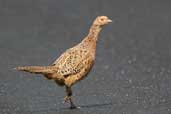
pixel 68 97
pixel 69 94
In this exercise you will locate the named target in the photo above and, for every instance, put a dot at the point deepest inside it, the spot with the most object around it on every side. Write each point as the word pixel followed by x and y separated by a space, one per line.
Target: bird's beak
pixel 109 21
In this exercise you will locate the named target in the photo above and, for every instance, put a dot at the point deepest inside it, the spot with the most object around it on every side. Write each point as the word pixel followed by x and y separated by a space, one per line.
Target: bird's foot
pixel 66 99
pixel 74 107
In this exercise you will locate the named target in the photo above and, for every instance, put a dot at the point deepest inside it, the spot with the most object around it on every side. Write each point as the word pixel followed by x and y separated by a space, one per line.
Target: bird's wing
pixel 71 62
pixel 61 59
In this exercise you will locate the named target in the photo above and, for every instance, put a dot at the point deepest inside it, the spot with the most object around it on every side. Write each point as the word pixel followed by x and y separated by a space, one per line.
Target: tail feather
pixel 37 69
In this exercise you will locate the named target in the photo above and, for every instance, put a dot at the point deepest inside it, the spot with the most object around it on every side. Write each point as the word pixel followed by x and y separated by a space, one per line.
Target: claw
pixel 73 107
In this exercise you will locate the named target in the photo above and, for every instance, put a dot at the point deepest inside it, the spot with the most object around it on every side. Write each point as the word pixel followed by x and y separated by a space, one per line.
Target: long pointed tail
pixel 37 69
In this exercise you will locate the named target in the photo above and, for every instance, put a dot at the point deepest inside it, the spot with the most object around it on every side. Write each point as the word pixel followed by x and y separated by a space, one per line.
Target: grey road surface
pixel 132 73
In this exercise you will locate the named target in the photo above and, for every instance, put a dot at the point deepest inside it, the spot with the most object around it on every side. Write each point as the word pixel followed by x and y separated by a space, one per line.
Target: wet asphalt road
pixel 132 73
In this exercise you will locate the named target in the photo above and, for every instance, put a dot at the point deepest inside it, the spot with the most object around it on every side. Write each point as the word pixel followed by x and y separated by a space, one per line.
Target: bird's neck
pixel 93 33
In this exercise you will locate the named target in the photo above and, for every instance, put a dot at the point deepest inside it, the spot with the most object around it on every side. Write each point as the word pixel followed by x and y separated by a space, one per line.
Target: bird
pixel 75 63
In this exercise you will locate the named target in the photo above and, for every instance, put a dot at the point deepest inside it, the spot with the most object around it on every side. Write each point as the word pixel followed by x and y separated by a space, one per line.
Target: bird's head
pixel 101 20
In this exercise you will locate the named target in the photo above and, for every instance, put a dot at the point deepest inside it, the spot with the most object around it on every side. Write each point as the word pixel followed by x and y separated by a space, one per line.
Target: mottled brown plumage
pixel 75 63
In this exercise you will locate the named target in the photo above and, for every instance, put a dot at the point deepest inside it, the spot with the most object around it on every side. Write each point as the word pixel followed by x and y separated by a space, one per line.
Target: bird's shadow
pixel 91 106
pixel 80 107
pixel 96 105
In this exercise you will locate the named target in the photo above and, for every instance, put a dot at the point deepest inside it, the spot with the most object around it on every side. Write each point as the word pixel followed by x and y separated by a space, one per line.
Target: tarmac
pixel 132 72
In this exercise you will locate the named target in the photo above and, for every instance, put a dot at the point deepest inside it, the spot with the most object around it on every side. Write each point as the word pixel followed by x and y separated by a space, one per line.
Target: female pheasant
pixel 75 63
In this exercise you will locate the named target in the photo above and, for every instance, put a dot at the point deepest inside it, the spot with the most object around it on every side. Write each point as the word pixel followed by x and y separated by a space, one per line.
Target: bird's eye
pixel 102 19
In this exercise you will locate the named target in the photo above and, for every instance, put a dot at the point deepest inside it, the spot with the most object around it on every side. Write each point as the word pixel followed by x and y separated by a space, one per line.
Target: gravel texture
pixel 132 73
